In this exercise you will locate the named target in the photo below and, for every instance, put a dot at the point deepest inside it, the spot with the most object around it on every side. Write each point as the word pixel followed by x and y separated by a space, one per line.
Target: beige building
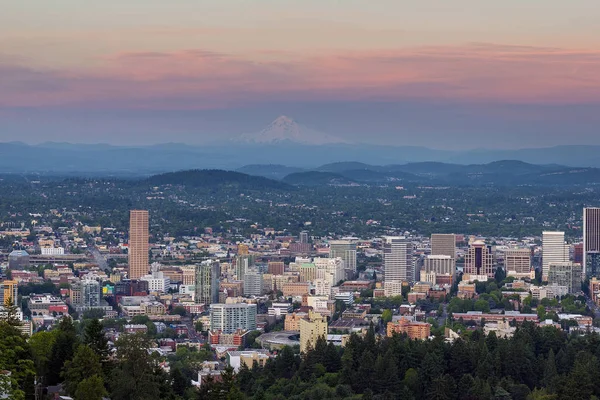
pixel 312 328
pixel 292 321
pixel 138 243
pixel 517 262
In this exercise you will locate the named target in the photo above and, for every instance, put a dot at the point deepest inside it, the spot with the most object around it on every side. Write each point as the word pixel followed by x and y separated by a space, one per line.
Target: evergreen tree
pixel 133 376
pixel 550 372
pixel 84 365
pixel 63 349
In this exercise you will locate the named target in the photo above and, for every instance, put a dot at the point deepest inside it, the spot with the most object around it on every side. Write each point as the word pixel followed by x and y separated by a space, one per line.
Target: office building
pixel 138 243
pixel 479 260
pixel 443 244
pixel 228 318
pixel 243 263
pixel 517 262
pixel 398 259
pixel 207 282
pixel 157 281
pixel 440 264
pixel 253 283
pixel 346 250
pixel 554 250
pixel 304 237
pixel 591 242
pixel 276 267
pixel 312 327
pixel 9 291
pixel 565 274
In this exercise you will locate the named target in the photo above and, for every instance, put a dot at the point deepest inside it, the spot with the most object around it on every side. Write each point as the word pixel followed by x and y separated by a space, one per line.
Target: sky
pixel 438 73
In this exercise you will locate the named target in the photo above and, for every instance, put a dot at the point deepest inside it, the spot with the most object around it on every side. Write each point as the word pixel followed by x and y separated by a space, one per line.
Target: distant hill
pixel 345 166
pixel 215 178
pixel 271 171
pixel 316 178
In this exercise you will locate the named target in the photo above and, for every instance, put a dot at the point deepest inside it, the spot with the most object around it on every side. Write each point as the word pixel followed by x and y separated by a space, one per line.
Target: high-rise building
pixel 398 259
pixel 138 243
pixel 276 267
pixel 207 282
pixel 443 244
pixel 591 241
pixel 479 260
pixel 565 274
pixel 346 250
pixel 312 327
pixel 86 294
pixel 440 264
pixel 228 318
pixel 517 261
pixel 554 250
pixel 304 237
pixel 242 264
pixel 253 283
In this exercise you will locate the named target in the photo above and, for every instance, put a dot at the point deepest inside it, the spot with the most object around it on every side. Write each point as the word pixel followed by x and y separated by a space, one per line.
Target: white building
pixel 52 251
pixel 554 250
pixel 157 282
pixel 398 259
pixel 228 318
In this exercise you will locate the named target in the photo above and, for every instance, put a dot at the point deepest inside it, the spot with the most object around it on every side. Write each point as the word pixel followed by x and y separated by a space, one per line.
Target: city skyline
pixel 447 76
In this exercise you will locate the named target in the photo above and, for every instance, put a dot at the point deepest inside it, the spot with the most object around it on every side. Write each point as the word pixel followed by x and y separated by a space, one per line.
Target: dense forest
pixel 536 363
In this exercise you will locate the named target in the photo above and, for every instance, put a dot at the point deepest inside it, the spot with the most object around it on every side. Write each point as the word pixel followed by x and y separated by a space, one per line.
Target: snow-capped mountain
pixel 284 129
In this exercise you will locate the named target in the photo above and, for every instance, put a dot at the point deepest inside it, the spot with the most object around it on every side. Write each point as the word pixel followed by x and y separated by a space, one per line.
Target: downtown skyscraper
pixel 591 242
pixel 398 259
pixel 138 243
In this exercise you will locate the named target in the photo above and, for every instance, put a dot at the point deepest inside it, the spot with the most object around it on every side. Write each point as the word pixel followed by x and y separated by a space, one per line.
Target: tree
pixel 93 336
pixel 91 388
pixel 133 376
pixel 41 344
pixel 180 382
pixel 386 316
pixel 84 365
pixel 15 357
pixel 63 349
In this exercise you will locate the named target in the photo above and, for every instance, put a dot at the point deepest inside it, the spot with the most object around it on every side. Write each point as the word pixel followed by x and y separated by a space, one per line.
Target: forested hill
pixel 213 178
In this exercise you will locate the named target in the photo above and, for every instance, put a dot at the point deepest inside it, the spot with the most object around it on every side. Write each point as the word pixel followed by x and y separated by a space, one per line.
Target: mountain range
pixel 285 145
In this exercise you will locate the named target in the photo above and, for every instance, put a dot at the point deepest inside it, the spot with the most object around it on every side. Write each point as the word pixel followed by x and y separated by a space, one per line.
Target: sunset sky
pixel 439 73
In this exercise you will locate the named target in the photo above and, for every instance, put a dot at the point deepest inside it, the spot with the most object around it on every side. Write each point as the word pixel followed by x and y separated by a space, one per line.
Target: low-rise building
pixel 414 330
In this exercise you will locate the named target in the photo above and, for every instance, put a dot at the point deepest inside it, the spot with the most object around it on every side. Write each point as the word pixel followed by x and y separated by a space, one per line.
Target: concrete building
pixel 312 328
pixel 479 260
pixel 517 262
pixel 138 243
pixel 443 244
pixel 207 282
pixel 414 330
pixel 86 294
pixel 253 283
pixel 565 274
pixel 157 282
pixel 330 268
pixel 243 263
pixel 346 250
pixel 304 237
pixel 228 318
pixel 554 250
pixel 440 264
pixel 397 259
pixel 591 242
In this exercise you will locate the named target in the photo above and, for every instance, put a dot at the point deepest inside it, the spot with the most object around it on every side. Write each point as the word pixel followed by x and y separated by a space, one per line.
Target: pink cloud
pixel 203 79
